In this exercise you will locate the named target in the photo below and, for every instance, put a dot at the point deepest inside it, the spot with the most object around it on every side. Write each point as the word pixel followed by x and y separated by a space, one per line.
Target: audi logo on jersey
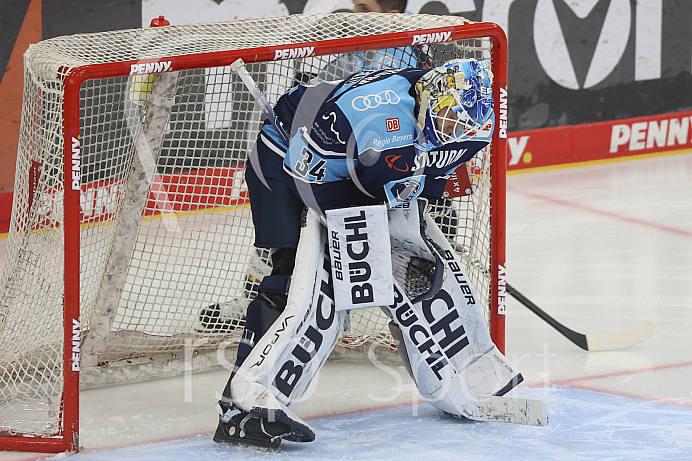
pixel 363 103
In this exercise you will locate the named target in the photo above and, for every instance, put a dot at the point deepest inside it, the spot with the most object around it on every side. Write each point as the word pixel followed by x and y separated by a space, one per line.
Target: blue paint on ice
pixel 584 425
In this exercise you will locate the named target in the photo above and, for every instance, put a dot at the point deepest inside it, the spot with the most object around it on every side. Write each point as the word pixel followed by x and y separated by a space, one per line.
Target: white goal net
pixel 130 213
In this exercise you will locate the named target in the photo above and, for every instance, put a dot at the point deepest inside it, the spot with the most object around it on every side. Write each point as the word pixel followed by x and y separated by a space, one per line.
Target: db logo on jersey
pixel 392 124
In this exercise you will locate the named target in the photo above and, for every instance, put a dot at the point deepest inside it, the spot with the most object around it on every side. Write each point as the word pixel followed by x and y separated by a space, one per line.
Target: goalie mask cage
pixel 130 213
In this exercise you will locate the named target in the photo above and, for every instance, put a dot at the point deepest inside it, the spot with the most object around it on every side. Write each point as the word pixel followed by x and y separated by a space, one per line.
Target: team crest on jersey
pixel 403 190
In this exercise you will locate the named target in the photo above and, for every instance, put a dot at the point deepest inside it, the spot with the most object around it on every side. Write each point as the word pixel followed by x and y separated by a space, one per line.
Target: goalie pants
pixel 276 211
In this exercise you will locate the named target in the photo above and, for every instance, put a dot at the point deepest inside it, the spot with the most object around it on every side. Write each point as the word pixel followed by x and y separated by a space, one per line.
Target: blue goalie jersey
pixel 356 142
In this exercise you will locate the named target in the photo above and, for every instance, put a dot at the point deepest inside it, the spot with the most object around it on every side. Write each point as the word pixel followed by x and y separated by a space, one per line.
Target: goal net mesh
pixel 165 229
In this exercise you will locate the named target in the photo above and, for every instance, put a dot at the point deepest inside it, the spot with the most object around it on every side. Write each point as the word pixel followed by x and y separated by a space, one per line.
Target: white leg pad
pixel 283 363
pixel 444 329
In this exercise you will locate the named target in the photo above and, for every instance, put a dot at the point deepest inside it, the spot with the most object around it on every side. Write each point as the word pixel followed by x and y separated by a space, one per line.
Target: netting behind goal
pixel 130 246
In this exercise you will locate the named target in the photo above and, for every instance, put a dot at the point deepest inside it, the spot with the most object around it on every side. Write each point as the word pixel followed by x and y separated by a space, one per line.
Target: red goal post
pixel 64 81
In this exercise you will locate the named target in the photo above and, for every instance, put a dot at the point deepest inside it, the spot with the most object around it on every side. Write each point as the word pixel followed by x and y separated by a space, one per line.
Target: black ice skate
pixel 240 428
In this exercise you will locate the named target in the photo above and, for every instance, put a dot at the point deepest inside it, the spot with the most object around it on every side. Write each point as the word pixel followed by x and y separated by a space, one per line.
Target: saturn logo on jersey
pixel 439 158
pixel 392 159
pixel 371 101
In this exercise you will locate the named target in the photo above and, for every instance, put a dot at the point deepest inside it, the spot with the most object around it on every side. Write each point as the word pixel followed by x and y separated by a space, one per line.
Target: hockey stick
pixel 629 336
pixel 603 342
pixel 238 67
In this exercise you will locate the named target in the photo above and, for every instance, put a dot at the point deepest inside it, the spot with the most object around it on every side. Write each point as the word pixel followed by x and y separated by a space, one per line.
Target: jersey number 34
pixel 303 167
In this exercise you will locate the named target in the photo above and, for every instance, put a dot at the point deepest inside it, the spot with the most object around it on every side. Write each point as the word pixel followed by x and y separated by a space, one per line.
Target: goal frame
pixel 68 437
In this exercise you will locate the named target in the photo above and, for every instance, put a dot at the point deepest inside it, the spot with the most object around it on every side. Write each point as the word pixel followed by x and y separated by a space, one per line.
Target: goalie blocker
pixel 435 318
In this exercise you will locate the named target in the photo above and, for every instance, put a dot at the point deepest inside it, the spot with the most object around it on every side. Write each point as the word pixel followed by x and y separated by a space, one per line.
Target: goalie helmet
pixel 456 100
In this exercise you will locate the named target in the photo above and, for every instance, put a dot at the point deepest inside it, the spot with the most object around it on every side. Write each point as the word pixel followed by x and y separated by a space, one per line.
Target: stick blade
pixel 629 336
pixel 509 410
